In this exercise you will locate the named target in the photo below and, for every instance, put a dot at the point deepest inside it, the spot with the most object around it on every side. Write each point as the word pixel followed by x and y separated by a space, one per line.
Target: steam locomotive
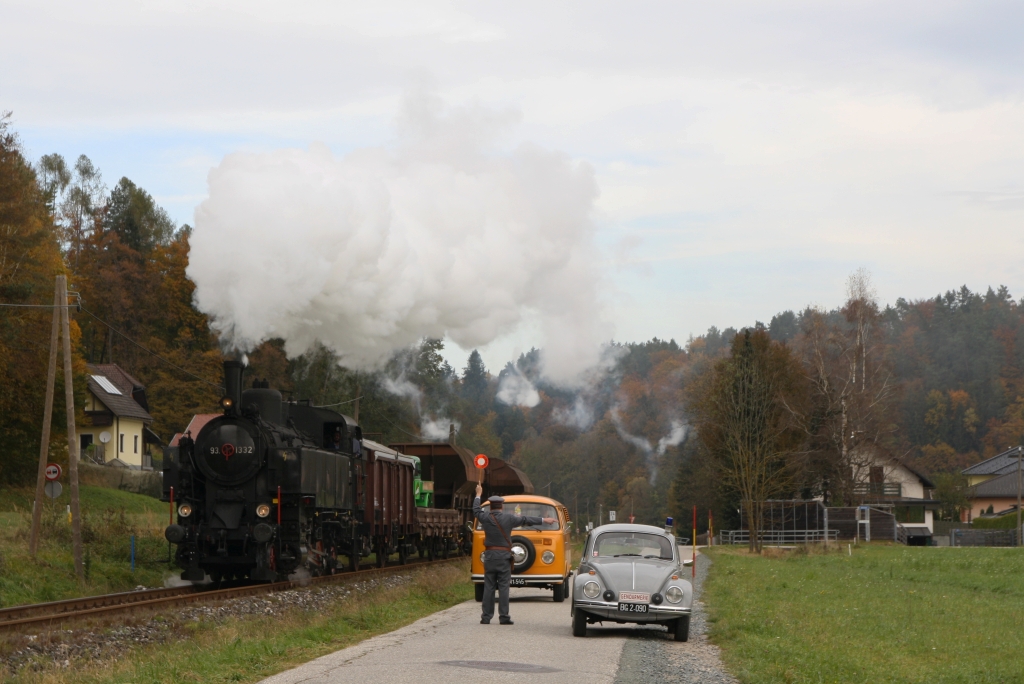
pixel 271 486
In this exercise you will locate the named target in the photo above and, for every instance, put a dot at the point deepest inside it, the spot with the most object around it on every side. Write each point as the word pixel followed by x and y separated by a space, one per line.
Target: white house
pixel 887 483
pixel 117 431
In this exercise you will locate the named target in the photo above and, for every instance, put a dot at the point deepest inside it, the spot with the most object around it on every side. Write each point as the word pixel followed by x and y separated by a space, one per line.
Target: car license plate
pixel 517 582
pixel 632 607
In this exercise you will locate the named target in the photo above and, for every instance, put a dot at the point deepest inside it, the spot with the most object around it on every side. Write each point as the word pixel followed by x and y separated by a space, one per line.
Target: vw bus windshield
pixel 538 510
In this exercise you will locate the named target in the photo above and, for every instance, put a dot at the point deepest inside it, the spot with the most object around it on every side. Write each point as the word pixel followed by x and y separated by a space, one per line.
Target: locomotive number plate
pixel 517 582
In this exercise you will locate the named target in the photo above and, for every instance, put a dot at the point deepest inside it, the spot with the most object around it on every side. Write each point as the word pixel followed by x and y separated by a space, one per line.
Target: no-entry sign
pixel 53 472
pixel 481 461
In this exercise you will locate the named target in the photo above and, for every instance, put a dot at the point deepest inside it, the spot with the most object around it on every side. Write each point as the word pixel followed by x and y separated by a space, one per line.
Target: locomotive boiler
pixel 270 486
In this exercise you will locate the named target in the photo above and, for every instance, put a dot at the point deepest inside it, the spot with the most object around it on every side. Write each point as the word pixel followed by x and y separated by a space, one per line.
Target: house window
pixel 120 443
pixel 909 514
pixel 136 444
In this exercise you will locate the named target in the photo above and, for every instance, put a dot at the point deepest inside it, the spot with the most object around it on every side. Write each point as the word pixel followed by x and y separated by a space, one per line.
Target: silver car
pixel 632 573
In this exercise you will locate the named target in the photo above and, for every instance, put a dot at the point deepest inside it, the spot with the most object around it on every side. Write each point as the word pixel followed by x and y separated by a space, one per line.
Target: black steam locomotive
pixel 270 486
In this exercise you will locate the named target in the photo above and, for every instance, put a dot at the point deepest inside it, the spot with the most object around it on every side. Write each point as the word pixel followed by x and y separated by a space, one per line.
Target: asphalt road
pixel 453 645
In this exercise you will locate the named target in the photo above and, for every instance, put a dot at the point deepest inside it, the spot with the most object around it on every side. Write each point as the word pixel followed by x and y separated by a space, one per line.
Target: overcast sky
pixel 749 156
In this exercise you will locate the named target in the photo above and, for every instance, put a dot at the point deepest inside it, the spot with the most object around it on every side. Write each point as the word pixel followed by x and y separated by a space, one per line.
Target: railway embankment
pixel 240 639
pixel 111 519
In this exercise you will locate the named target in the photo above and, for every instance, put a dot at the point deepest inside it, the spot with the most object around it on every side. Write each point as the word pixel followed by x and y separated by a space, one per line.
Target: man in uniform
pixel 498 527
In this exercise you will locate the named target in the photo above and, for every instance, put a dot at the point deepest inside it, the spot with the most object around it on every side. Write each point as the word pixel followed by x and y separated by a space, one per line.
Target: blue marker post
pixel 133 553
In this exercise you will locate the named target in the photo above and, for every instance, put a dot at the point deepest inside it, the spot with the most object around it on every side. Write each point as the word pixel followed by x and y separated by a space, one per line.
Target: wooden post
pixel 44 443
pixel 69 400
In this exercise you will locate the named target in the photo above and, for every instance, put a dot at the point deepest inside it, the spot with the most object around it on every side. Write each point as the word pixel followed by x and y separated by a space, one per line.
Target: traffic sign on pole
pixel 611 516
pixel 53 489
pixel 53 472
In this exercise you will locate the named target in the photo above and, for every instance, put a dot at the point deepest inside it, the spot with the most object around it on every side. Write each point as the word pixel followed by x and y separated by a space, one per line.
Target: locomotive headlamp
pixel 226 403
pixel 184 510
pixel 548 557
pixel 591 589
pixel 674 594
pixel 263 510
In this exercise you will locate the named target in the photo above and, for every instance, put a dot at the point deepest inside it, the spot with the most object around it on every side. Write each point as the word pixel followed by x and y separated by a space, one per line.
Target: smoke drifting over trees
pixel 439 236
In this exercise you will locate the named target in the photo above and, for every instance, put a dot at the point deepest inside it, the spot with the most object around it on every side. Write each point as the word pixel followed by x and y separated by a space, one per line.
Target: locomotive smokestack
pixel 232 385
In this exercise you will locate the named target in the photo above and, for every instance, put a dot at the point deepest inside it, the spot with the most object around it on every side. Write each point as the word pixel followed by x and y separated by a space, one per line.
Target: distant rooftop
pixel 997 465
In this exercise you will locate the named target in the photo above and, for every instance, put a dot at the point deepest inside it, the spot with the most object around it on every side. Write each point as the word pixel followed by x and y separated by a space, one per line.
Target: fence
pixel 779 537
pixel 983 537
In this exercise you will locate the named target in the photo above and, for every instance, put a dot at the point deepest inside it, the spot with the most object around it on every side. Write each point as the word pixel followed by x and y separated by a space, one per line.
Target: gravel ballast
pixel 64 647
pixel 650 655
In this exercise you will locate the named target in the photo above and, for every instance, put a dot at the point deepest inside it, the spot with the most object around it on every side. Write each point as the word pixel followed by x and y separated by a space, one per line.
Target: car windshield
pixel 638 544
pixel 538 510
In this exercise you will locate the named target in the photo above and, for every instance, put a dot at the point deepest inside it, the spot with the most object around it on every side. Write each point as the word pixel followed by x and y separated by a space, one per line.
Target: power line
pixel 380 415
pixel 340 403
pixel 150 351
pixel 40 306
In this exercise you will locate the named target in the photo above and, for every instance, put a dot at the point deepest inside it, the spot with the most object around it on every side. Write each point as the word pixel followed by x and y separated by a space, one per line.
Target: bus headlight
pixel 548 557
pixel 591 589
pixel 263 510
pixel 184 510
pixel 674 594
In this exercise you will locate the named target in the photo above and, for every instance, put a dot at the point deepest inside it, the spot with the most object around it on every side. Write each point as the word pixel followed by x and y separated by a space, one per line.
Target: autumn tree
pixel 29 261
pixel 850 419
pixel 743 410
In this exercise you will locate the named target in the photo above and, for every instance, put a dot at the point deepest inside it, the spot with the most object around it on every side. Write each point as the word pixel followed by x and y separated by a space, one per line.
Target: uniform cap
pixel 496 500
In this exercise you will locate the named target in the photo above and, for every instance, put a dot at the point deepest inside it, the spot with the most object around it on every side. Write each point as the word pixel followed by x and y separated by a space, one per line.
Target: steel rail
pixel 77 604
pixel 187 595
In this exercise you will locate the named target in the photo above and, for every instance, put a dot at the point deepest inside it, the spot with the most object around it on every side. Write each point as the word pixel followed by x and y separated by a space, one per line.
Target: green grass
pixel 884 614
pixel 250 649
pixel 110 517
pixel 96 498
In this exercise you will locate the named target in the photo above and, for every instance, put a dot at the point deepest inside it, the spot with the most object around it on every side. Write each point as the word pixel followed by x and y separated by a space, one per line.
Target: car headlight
pixel 184 510
pixel 548 557
pixel 263 510
pixel 674 594
pixel 591 589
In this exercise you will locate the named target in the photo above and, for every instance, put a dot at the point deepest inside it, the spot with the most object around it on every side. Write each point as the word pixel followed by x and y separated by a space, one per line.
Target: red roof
pixel 197 423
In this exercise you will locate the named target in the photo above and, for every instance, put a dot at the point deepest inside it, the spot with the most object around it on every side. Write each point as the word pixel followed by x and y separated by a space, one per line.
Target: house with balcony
pixel 117 428
pixel 887 484
pixel 992 484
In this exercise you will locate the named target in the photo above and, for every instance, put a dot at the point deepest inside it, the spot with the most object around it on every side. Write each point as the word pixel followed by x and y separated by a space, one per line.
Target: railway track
pixel 59 612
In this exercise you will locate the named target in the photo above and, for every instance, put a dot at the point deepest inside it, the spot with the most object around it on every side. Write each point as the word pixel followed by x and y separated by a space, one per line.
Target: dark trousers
pixel 497 573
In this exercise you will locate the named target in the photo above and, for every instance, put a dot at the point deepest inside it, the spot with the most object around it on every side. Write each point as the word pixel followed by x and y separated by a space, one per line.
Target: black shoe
pixel 484 621
pixel 506 621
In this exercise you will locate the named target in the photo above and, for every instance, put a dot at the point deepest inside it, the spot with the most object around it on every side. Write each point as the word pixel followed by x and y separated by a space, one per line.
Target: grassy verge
pixel 110 518
pixel 884 614
pixel 249 649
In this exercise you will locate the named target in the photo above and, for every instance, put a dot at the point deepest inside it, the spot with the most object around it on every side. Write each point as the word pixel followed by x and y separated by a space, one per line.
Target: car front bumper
pixel 610 611
pixel 531 580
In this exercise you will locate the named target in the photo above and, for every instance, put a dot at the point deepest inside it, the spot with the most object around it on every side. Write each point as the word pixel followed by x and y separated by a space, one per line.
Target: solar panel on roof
pixel 106 384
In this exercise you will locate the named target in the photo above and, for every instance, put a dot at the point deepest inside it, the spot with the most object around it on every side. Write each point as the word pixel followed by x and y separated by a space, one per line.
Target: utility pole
pixel 44 442
pixel 69 402
pixel 1020 451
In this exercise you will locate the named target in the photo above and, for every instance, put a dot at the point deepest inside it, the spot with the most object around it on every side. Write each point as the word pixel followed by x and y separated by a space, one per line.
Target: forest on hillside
pixel 935 382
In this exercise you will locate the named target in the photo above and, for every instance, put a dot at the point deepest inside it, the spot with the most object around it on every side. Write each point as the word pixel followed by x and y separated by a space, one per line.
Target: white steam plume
pixel 675 437
pixel 437 429
pixel 516 390
pixel 438 236
pixel 579 416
